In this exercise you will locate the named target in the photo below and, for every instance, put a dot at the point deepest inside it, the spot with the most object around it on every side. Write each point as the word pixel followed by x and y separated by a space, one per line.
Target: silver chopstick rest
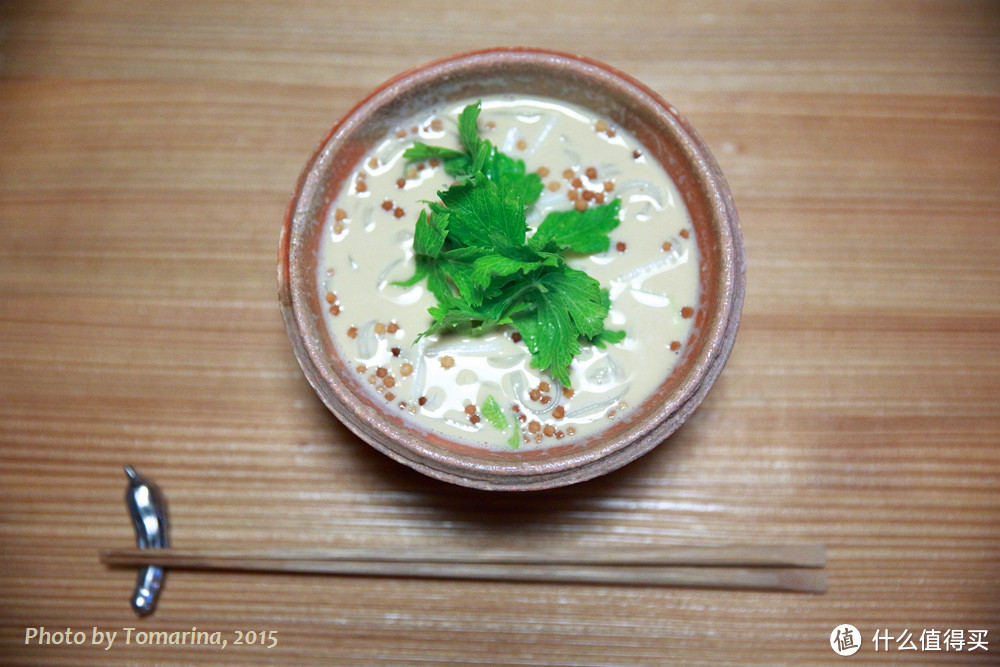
pixel 148 510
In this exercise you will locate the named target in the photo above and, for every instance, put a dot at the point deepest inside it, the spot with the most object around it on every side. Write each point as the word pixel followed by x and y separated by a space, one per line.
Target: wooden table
pixel 148 153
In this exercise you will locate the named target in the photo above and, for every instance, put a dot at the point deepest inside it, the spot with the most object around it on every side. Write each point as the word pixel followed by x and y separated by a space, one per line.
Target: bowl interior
pixel 624 103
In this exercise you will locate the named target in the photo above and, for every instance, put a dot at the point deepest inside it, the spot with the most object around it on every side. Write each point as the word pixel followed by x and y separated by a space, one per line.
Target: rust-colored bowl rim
pixel 627 103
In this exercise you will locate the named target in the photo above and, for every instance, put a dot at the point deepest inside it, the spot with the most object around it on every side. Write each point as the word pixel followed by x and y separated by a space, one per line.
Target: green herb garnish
pixel 494 413
pixel 473 249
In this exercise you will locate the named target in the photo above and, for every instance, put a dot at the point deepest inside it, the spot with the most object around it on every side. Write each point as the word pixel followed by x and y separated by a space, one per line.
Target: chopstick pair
pixel 786 567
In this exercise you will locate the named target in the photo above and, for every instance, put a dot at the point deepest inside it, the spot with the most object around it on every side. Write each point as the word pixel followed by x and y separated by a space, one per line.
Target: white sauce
pixel 653 281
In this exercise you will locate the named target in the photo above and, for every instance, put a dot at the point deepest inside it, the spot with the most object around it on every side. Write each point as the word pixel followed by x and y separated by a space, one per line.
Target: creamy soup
pixel 443 381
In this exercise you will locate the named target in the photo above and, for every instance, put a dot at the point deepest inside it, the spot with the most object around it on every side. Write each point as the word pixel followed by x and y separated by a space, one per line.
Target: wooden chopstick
pixel 778 567
pixel 737 555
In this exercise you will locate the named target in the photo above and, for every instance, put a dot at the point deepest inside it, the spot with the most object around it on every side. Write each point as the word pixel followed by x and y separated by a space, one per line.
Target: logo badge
pixel 845 639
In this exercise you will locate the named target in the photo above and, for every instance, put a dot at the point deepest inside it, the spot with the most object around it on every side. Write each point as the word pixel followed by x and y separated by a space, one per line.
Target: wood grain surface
pixel 147 153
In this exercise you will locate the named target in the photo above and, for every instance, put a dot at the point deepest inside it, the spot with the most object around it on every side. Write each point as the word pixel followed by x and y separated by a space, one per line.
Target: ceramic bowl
pixel 624 102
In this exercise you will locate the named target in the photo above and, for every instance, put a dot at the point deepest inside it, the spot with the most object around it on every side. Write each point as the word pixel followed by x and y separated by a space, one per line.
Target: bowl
pixel 667 137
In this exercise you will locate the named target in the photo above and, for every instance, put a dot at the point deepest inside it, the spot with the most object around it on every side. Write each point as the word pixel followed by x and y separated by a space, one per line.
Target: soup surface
pixel 444 382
